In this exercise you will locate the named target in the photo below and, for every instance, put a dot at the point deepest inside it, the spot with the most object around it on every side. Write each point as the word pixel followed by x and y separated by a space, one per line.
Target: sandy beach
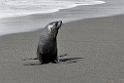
pixel 94 48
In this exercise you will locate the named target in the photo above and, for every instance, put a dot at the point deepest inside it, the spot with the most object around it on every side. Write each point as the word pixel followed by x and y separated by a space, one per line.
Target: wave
pixel 12 8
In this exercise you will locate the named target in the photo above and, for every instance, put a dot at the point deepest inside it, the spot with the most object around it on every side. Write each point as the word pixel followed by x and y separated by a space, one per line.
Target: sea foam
pixel 15 8
pixel 10 8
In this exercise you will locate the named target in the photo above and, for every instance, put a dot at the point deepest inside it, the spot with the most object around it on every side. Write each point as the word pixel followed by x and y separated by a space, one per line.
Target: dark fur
pixel 47 46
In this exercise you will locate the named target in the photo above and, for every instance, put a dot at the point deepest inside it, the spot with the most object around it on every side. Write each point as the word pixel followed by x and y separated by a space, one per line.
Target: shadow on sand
pixel 70 60
pixel 62 60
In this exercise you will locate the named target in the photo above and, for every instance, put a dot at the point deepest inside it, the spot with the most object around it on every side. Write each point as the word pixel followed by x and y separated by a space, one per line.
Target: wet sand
pixel 94 48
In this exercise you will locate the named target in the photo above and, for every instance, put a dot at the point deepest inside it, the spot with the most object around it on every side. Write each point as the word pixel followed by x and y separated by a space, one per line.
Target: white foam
pixel 13 8
pixel 10 8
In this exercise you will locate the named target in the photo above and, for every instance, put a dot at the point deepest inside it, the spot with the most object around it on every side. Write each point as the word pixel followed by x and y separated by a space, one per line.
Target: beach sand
pixel 94 48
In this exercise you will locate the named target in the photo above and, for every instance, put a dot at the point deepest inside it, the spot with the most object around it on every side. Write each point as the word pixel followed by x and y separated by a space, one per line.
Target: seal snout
pixel 59 23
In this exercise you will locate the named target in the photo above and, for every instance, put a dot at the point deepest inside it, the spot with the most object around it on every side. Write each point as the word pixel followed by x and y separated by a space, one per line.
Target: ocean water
pixel 28 15
pixel 15 14
pixel 12 8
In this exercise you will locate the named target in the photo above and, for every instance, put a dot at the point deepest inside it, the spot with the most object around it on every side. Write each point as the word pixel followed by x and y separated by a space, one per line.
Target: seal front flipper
pixel 55 60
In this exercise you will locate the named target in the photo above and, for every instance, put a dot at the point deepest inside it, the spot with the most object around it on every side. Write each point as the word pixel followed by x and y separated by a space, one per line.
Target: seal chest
pixel 47 46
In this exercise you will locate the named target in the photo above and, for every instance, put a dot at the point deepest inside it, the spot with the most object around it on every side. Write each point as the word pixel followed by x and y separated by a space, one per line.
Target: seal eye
pixel 56 24
pixel 51 28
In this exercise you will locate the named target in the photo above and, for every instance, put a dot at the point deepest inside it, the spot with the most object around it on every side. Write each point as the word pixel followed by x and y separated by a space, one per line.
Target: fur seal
pixel 47 46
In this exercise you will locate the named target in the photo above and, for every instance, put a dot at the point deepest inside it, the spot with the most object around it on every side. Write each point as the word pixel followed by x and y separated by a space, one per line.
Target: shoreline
pixel 42 27
pixel 38 21
pixel 94 49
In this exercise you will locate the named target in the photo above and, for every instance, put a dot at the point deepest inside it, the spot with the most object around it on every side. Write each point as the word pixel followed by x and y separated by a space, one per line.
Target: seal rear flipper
pixel 40 58
pixel 39 55
pixel 30 59
pixel 36 58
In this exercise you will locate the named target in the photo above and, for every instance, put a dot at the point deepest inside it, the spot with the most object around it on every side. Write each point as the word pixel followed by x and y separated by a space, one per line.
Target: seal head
pixel 53 28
